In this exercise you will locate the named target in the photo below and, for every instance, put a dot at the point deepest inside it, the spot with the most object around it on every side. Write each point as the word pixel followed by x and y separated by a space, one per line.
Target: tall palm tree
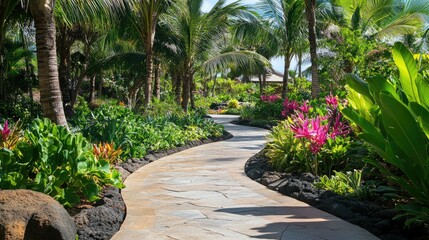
pixel 196 33
pixel 87 21
pixel 310 10
pixel 287 19
pixel 50 93
pixel 146 15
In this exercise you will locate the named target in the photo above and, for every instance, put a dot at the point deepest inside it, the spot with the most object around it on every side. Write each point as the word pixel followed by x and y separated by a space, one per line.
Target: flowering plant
pixel 270 98
pixel 9 137
pixel 317 130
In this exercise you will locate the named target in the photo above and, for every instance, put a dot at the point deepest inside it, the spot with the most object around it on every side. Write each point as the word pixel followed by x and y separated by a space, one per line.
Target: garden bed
pixel 102 219
pixel 369 215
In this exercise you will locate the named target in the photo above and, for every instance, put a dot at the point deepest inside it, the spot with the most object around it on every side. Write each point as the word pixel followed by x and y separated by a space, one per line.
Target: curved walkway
pixel 202 193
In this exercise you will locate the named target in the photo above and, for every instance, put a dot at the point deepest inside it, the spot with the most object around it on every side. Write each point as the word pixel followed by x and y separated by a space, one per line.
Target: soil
pixel 102 219
pixel 373 217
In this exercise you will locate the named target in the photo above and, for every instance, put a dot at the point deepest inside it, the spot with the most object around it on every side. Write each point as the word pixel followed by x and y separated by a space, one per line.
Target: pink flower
pixel 331 100
pixel 312 129
pixel 289 107
pixel 339 128
pixel 271 98
pixel 305 108
pixel 5 131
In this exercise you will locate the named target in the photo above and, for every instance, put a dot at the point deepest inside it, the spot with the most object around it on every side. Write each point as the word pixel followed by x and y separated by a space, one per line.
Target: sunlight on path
pixel 203 193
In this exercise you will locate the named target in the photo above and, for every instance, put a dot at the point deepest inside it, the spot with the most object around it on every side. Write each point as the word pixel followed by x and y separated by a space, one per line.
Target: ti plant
pixel 393 117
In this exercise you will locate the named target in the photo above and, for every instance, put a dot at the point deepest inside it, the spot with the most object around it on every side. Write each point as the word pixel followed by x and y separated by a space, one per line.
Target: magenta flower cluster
pixel 317 130
pixel 270 98
pixel 5 131
pixel 289 107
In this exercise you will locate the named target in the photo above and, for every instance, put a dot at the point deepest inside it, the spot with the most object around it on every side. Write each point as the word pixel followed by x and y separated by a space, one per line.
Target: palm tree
pixel 287 21
pixel 384 18
pixel 85 21
pixel 145 15
pixel 196 33
pixel 50 93
pixel 310 10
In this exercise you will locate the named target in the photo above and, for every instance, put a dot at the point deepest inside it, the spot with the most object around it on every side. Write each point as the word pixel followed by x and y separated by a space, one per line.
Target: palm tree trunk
pixel 310 6
pixel 92 89
pixel 64 55
pixel 149 64
pixel 264 81
pixel 2 63
pixel 177 86
pixel 214 86
pixel 192 92
pixel 186 91
pixel 261 89
pixel 300 65
pixel 100 85
pixel 157 79
pixel 50 93
pixel 285 76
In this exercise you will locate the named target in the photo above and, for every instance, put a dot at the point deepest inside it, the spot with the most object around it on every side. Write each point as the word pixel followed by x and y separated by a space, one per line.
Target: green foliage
pixel 268 110
pixel 393 119
pixel 284 151
pixel 233 104
pixel 247 112
pixel 22 108
pixel 136 134
pixel 165 107
pixel 56 162
pixel 341 183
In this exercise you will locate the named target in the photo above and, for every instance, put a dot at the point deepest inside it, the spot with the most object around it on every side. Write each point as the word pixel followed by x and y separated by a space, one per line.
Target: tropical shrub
pixel 268 107
pixel 54 161
pixel 311 139
pixel 234 104
pixel 135 134
pixel 341 183
pixel 392 117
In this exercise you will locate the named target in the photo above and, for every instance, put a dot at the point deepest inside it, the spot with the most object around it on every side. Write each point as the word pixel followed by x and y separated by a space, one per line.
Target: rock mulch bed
pixel 375 218
pixel 102 219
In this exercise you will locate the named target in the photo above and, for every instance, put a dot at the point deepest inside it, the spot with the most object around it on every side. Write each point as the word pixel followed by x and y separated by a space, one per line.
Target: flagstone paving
pixel 203 193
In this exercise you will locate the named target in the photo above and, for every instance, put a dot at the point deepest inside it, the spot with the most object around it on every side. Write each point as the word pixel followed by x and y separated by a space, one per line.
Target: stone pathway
pixel 203 193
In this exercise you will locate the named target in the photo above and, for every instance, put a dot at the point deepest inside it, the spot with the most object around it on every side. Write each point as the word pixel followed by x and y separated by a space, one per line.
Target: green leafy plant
pixel 54 161
pixel 393 118
pixel 233 104
pixel 341 183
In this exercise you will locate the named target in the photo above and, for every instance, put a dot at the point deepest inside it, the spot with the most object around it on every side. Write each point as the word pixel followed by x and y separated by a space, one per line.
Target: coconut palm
pixel 287 24
pixel 384 18
pixel 196 36
pixel 87 22
pixel 145 17
pixel 310 10
pixel 50 93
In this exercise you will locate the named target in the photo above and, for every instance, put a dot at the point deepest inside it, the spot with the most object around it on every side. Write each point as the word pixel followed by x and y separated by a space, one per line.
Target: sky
pixel 278 63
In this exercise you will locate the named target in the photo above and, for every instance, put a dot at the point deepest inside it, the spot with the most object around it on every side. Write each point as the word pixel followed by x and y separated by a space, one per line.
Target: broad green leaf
pixel 358 85
pixel 422 116
pixel 408 71
pixel 402 128
pixel 423 87
pixel 376 84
